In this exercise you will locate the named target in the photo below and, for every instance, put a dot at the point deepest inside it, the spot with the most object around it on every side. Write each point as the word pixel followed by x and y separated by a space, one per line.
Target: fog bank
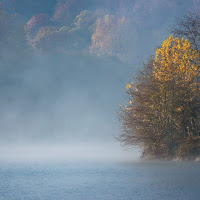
pixel 87 152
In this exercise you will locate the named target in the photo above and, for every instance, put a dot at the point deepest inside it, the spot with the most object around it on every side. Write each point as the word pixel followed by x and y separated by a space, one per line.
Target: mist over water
pixel 59 153
pixel 73 94
pixel 60 108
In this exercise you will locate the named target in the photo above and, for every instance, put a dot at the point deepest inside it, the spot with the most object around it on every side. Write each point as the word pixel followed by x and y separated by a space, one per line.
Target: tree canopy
pixel 164 111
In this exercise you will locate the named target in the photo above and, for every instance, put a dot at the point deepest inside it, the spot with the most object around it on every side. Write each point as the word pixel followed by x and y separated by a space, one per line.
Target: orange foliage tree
pixel 164 109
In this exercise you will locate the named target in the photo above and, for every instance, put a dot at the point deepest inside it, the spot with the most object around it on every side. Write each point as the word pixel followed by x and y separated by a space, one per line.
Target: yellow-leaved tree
pixel 164 115
pixel 176 67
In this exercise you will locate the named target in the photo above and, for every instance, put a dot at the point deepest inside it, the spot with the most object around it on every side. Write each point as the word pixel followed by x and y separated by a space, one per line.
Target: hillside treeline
pixel 99 28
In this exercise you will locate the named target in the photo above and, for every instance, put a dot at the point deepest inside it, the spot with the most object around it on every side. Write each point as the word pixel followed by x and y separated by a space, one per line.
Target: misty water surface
pixel 100 181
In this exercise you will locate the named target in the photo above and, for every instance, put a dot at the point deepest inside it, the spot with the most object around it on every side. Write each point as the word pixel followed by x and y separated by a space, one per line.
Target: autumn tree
pixel 177 67
pixel 84 19
pixel 141 122
pixel 67 10
pixel 45 37
pixel 164 110
pixel 34 24
pixel 110 35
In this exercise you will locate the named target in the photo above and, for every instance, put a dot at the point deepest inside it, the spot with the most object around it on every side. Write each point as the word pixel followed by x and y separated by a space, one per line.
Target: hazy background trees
pixel 83 23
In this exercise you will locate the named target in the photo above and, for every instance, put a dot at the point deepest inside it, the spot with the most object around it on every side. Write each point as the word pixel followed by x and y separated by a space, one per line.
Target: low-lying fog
pixel 87 152
pixel 61 109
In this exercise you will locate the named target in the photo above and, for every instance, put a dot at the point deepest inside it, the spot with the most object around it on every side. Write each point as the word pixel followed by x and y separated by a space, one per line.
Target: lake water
pixel 100 181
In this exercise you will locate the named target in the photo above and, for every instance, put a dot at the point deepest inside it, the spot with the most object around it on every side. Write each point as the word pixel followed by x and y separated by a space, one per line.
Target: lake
pixel 100 181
